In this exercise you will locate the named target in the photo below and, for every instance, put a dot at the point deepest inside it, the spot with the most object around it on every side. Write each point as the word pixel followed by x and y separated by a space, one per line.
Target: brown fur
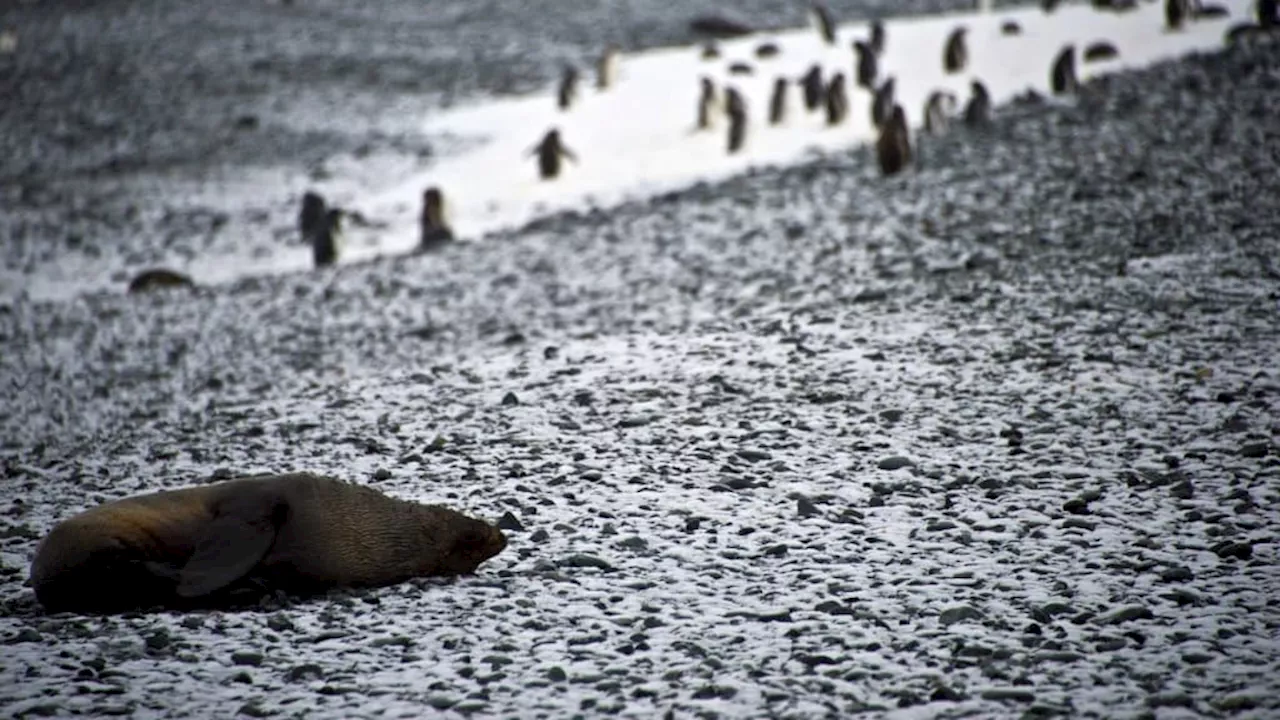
pixel 202 545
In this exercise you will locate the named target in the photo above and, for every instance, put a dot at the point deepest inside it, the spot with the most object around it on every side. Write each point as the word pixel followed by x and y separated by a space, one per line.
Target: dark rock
pixel 1126 614
pixel 895 462
pixel 246 657
pixel 1177 573
pixel 510 400
pixel 585 561
pixel 960 613
pixel 510 523
pixel 1255 449
pixel 806 508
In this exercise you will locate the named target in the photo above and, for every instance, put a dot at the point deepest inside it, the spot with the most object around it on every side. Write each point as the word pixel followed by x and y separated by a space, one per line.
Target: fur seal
pixel 956 53
pixel 326 240
pixel 867 68
pixel 736 109
pixel 882 104
pixel 204 545
pixel 434 222
pixel 1175 12
pixel 893 149
pixel 550 151
pixel 607 68
pixel 568 91
pixel 977 112
pixel 1062 76
pixel 707 102
pixel 877 37
pixel 814 88
pixel 717 26
pixel 837 100
pixel 826 25
pixel 158 279
pixel 937 111
pixel 1099 51
pixel 311 214
pixel 778 101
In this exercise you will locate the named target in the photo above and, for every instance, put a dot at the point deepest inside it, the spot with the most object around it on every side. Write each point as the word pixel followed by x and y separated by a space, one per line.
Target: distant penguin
pixel 607 68
pixel 937 111
pixel 1266 10
pixel 326 240
pixel 707 103
pixel 977 112
pixel 736 109
pixel 837 100
pixel 1062 76
pixel 778 102
pixel 882 104
pixel 1049 5
pixel 826 25
pixel 1175 13
pixel 1100 51
pixel 1010 27
pixel 550 151
pixel 866 65
pixel 814 88
pixel 893 149
pixel 710 52
pixel 741 68
pixel 434 222
pixel 764 51
pixel 877 37
pixel 311 214
pixel 1207 11
pixel 158 279
pixel 955 55
pixel 568 91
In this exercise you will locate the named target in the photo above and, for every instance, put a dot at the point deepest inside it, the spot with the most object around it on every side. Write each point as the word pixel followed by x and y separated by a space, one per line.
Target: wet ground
pixel 995 438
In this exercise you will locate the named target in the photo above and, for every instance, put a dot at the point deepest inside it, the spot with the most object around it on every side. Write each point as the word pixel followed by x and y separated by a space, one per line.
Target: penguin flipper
pixel 231 545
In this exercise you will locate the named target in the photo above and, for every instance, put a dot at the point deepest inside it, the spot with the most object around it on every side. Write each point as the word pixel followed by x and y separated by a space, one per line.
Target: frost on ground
pixel 996 439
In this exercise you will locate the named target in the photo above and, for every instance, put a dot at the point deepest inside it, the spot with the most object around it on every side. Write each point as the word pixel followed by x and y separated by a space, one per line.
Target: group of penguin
pixel 320 225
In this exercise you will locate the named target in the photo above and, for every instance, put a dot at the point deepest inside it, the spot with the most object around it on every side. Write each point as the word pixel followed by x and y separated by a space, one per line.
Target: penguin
pixel 1062 76
pixel 1049 5
pixel 210 545
pixel 326 239
pixel 977 112
pixel 550 151
pixel 311 214
pixel 1100 51
pixel 568 91
pixel 434 222
pixel 956 53
pixel 877 37
pixel 882 104
pixel 866 70
pixel 607 68
pixel 710 51
pixel 1175 12
pixel 158 279
pixel 1010 27
pixel 778 101
pixel 937 111
pixel 767 50
pixel 741 68
pixel 814 88
pixel 707 102
pixel 736 109
pixel 893 149
pixel 837 100
pixel 826 25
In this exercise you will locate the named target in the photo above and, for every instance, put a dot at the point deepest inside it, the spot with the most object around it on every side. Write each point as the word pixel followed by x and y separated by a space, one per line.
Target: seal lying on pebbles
pixel 157 279
pixel 300 533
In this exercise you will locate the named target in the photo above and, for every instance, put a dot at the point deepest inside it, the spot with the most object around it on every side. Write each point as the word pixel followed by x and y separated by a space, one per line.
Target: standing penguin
pixel 826 25
pixel 211 545
pixel 707 102
pixel 977 112
pixel 937 111
pixel 311 214
pixel 956 53
pixel 1062 78
pixel 877 37
pixel 434 223
pixel 736 109
pixel 837 100
pixel 568 91
pixel 814 88
pixel 550 151
pixel 1175 12
pixel 893 149
pixel 866 65
pixel 778 102
pixel 607 68
pixel 882 104
pixel 326 239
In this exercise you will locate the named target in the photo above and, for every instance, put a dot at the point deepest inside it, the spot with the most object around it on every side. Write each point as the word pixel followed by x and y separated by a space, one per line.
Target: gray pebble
pixel 895 462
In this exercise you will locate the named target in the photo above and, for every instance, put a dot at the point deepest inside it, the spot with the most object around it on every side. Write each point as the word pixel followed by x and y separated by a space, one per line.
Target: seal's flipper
pixel 236 540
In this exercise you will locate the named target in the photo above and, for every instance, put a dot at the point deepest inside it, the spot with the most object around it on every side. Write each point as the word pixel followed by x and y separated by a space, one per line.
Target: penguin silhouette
pixel 977 112
pixel 866 62
pixel 826 25
pixel 1062 77
pixel 837 100
pixel 814 88
pixel 882 104
pixel 550 151
pixel 434 223
pixel 778 101
pixel 955 55
pixel 707 101
pixel 736 109
pixel 326 240
pixel 568 91
pixel 893 149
